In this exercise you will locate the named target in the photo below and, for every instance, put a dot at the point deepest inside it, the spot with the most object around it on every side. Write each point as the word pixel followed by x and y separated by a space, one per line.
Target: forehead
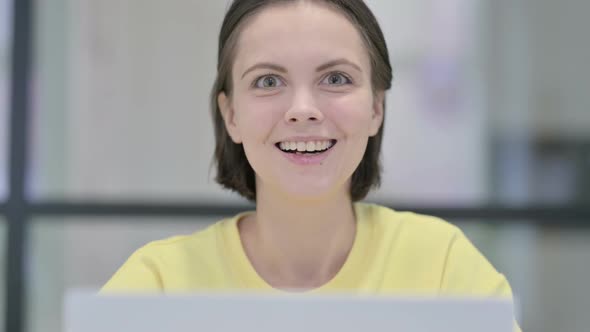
pixel 300 32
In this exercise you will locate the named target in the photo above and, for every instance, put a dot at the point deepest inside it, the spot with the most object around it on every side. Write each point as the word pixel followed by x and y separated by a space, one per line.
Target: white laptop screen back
pixel 85 312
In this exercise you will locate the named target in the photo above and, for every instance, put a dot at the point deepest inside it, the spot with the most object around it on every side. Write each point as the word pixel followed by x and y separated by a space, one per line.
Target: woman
pixel 298 109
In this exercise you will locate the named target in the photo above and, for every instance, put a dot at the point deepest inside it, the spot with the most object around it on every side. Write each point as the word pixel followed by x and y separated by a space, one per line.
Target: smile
pixel 309 147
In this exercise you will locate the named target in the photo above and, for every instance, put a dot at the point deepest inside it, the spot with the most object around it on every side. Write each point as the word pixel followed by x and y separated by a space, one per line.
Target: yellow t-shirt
pixel 393 253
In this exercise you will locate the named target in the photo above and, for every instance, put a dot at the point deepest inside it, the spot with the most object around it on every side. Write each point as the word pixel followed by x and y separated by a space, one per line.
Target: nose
pixel 303 108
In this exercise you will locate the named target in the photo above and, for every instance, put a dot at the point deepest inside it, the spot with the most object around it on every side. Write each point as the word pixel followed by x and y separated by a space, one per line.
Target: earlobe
pixel 228 115
pixel 377 114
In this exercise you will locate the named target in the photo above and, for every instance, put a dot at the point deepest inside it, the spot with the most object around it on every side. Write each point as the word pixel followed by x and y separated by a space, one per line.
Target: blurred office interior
pixel 489 114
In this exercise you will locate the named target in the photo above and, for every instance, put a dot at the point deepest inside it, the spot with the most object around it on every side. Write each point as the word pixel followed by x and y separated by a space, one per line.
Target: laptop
pixel 87 312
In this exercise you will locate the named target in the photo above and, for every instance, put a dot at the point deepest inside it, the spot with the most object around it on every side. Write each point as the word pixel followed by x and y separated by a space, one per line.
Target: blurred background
pixel 106 125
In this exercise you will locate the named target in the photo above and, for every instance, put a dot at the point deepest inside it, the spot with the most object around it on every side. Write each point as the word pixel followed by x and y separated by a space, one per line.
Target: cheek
pixel 350 113
pixel 256 116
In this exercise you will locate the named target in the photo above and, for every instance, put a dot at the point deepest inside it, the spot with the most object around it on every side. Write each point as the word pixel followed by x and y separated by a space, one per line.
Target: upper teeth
pixel 306 146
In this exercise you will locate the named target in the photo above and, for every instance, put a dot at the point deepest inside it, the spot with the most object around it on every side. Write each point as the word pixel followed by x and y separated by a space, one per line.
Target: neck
pixel 299 244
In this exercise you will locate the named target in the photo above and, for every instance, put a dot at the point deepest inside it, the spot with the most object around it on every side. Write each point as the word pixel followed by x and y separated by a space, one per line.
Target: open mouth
pixel 306 148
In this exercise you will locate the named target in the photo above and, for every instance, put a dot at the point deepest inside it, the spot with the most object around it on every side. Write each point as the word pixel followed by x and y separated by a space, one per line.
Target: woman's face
pixel 302 81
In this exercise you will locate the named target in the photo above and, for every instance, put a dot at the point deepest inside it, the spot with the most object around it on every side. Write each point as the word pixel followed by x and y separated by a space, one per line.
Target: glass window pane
pixel 130 117
pixel 436 144
pixel 73 253
pixel 3 242
pixel 5 40
pixel 538 103
pixel 139 83
pixel 480 110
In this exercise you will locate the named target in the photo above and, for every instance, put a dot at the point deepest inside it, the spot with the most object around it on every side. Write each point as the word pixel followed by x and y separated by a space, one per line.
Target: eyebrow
pixel 329 64
pixel 338 62
pixel 265 65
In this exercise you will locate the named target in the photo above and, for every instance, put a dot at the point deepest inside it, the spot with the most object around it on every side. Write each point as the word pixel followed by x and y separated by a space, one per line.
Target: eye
pixel 336 79
pixel 268 82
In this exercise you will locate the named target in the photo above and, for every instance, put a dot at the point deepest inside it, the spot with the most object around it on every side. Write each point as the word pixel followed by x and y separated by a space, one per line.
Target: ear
pixel 377 114
pixel 227 113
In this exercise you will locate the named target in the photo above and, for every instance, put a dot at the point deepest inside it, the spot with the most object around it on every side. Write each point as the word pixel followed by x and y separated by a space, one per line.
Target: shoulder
pixel 424 246
pixel 200 239
pixel 441 248
pixel 160 264
pixel 409 228
pixel 426 236
pixel 428 252
pixel 200 246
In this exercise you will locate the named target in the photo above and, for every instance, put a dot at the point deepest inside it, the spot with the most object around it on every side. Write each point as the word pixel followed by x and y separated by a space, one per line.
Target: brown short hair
pixel 233 170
